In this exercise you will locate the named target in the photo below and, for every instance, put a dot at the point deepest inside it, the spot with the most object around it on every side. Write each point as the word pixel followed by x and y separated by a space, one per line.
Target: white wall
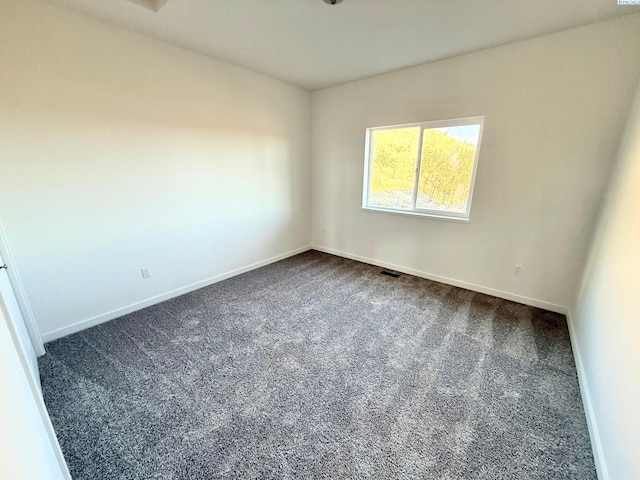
pixel 28 447
pixel 120 152
pixel 605 322
pixel 554 108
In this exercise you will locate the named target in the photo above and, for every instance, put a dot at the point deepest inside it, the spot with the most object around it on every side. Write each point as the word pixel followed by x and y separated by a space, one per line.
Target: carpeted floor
pixel 321 367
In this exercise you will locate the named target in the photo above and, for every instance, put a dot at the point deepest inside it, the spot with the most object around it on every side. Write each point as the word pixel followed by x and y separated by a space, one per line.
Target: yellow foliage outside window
pixel 446 168
pixel 394 159
pixel 445 172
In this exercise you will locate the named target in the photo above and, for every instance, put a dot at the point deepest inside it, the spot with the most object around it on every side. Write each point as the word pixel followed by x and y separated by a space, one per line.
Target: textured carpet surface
pixel 321 367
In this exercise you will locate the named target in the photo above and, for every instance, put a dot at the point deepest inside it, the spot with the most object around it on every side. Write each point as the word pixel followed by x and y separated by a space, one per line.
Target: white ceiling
pixel 315 45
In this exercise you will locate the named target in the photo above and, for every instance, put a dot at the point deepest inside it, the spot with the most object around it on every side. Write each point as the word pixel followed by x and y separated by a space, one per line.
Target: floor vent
pixel 390 274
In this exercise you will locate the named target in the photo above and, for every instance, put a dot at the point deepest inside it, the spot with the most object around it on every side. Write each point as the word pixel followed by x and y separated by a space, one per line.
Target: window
pixel 423 168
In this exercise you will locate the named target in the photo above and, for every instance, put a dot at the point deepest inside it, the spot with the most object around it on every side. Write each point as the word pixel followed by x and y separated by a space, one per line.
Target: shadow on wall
pixel 95 200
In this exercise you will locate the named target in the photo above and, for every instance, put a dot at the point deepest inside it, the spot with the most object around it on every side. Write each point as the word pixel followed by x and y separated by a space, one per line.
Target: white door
pixel 12 310
pixel 29 449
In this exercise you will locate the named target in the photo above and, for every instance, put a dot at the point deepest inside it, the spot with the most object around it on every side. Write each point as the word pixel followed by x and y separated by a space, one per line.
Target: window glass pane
pixel 446 167
pixel 393 164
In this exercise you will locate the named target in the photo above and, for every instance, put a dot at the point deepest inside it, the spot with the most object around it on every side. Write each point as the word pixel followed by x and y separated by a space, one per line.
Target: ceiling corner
pixel 153 5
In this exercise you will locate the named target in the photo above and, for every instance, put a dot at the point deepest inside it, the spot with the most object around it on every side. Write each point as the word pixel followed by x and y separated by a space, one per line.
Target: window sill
pixel 418 214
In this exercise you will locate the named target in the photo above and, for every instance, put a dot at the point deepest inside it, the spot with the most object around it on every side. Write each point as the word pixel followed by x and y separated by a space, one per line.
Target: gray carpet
pixel 321 367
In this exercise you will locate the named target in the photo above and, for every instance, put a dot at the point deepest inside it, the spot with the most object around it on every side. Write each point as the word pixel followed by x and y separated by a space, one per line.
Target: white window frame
pixel 414 210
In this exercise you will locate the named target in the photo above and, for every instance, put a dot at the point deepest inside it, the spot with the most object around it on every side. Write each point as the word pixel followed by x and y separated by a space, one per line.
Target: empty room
pixel 304 239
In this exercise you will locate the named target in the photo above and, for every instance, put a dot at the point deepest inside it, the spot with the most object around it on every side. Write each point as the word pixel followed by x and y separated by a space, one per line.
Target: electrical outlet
pixel 146 272
pixel 517 269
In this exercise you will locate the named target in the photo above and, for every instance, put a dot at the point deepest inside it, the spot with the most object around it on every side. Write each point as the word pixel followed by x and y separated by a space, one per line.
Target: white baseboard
pixel 449 281
pixel 592 424
pixel 105 317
